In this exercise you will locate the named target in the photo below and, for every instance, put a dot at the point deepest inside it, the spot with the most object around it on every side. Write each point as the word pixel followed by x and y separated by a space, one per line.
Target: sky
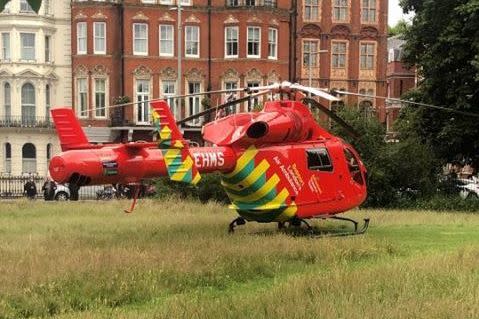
pixel 395 13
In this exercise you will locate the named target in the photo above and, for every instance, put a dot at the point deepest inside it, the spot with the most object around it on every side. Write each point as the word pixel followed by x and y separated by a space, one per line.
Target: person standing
pixel 49 188
pixel 30 189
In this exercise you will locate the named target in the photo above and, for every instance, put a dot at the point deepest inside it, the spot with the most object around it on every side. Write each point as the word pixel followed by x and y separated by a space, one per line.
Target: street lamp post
pixel 179 27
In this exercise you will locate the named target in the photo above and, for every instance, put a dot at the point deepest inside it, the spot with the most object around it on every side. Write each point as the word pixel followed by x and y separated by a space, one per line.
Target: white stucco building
pixel 35 75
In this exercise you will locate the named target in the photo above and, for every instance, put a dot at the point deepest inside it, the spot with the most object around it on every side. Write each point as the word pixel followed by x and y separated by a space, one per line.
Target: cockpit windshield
pixel 353 166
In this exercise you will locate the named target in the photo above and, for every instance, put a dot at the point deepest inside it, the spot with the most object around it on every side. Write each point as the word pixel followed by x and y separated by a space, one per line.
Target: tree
pixel 34 4
pixel 400 28
pixel 443 43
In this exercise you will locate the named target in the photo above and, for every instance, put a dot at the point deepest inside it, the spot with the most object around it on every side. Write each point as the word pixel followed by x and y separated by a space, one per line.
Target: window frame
pixel 135 52
pixel 315 54
pixel 81 38
pixel 319 152
pixel 229 41
pixel 48 49
pixel 95 37
pixel 340 8
pixel 368 57
pixel 197 41
pixel 338 55
pixel 366 18
pixel 141 106
pixel 253 41
pixel 311 6
pixel 274 44
pixel 194 101
pixel 6 51
pixel 172 40
pixel 105 98
pixel 80 112
pixel 32 48
pixel 169 96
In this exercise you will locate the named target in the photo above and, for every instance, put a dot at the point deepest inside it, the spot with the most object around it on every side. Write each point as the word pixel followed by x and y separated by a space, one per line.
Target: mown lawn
pixel 174 259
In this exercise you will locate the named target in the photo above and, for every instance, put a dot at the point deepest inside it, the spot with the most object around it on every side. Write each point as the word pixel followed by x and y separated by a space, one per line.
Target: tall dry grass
pixel 174 259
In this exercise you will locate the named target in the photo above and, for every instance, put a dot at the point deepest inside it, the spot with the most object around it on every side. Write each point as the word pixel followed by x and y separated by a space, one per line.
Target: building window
pixel 140 39
pixel 254 40
pixel 6 46
pixel 99 43
pixel 100 98
pixel 367 56
pixel 232 3
pixel 341 10
pixel 81 38
pixel 47 102
pixel 29 158
pixel 231 96
pixel 339 55
pixel 142 95
pixel 25 7
pixel 368 11
pixel 186 2
pixel 28 104
pixel 8 158
pixel 168 91
pixel 48 44
pixel 253 103
pixel 46 6
pixel 194 102
pixel 28 46
pixel 311 10
pixel 250 3
pixel 166 2
pixel 7 101
pixel 82 98
pixel 310 53
pixel 272 43
pixel 166 40
pixel 231 42
pixel 148 1
pixel 192 41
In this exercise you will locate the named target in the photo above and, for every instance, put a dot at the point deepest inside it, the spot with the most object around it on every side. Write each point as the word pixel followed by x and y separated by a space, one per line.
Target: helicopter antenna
pixel 442 108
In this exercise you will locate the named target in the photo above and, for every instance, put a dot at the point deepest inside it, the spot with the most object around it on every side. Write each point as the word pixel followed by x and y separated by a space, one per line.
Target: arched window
pixel 7 102
pixel 8 158
pixel 49 152
pixel 28 104
pixel 29 158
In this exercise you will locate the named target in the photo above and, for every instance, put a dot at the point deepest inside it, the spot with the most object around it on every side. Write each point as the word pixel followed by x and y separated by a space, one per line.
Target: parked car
pixel 62 192
pixel 468 188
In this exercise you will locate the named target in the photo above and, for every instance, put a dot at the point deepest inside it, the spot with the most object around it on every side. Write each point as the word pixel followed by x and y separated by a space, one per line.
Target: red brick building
pixel 400 80
pixel 130 49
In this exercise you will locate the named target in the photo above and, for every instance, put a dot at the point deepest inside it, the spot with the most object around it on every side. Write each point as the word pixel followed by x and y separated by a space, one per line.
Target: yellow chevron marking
pixel 276 202
pixel 260 193
pixel 178 144
pixel 244 159
pixel 165 133
pixel 155 115
pixel 196 179
pixel 171 155
pixel 288 213
pixel 182 170
pixel 251 178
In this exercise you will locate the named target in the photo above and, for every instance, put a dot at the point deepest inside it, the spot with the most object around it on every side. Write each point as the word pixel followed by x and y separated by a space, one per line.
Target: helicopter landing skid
pixel 297 222
pixel 237 222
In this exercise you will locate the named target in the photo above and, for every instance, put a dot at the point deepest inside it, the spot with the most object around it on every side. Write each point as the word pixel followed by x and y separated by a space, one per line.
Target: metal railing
pixel 26 121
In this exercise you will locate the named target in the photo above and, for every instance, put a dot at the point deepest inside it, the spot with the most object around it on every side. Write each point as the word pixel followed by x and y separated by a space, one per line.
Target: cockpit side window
pixel 319 160
pixel 353 166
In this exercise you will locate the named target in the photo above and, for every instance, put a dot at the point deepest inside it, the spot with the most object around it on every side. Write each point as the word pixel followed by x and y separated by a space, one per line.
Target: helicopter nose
pixel 58 170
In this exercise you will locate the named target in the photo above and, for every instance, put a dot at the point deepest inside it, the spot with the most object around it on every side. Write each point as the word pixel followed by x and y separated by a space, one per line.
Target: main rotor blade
pixel 351 131
pixel 442 108
pixel 220 107
pixel 315 91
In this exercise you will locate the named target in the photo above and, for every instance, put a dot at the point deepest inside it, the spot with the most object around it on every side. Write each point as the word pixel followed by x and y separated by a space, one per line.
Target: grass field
pixel 174 259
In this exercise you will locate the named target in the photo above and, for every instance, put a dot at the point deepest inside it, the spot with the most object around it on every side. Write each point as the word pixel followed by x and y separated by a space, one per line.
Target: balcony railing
pixel 26 121
pixel 251 3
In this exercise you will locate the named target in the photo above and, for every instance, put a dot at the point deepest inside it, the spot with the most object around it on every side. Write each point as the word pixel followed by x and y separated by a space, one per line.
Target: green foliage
pixel 208 189
pixel 443 42
pixel 399 29
pixel 395 170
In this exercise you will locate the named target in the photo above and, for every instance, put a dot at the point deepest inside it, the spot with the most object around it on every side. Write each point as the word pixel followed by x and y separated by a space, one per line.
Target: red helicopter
pixel 278 165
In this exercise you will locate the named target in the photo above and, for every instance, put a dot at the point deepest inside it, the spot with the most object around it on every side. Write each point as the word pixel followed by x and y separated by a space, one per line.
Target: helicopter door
pixel 322 179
